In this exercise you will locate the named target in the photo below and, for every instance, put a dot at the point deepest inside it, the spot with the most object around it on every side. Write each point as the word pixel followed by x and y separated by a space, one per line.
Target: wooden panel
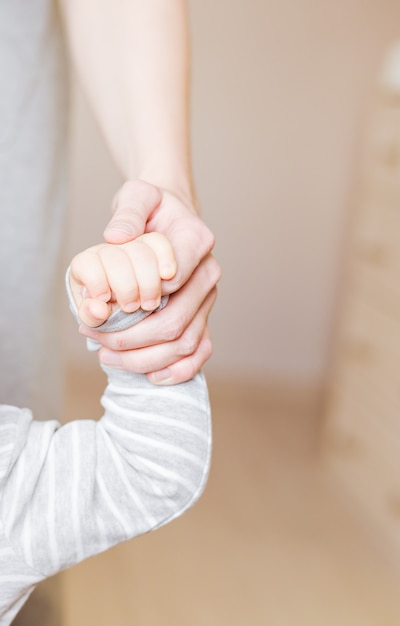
pixel 362 421
pixel 377 286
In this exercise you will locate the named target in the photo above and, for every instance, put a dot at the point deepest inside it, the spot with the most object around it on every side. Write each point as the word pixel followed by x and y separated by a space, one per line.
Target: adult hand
pixel 140 207
pixel 170 346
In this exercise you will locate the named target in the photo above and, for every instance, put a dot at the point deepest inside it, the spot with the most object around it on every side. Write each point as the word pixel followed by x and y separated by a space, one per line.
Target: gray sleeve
pixel 76 490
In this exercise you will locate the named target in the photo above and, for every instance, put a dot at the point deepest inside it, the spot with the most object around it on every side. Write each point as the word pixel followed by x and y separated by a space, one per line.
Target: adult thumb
pixel 132 207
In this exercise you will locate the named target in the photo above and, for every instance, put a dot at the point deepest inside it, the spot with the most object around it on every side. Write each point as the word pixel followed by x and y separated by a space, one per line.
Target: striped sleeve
pixel 78 489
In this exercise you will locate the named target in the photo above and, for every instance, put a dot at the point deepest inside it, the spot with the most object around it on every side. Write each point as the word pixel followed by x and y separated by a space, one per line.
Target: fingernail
pixel 162 377
pixel 168 270
pixel 107 357
pixel 131 307
pixel 150 305
pixel 121 226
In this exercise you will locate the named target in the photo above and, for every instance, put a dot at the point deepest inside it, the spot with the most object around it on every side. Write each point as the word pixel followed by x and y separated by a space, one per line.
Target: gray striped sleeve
pixel 79 489
pixel 69 492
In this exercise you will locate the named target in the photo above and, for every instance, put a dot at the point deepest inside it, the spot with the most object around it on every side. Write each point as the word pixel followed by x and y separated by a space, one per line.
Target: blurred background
pixel 285 95
pixel 280 95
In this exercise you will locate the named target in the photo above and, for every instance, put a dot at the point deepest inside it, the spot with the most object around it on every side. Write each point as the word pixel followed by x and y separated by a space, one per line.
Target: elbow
pixel 185 485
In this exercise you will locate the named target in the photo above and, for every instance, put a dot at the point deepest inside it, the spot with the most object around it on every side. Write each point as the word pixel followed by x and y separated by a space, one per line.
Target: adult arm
pixel 133 61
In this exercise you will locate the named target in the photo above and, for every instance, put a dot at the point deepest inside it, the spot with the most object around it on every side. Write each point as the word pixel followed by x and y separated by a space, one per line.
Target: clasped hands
pixel 172 345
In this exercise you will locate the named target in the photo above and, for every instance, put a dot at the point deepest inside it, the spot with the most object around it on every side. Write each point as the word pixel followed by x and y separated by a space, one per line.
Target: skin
pixel 106 277
pixel 132 58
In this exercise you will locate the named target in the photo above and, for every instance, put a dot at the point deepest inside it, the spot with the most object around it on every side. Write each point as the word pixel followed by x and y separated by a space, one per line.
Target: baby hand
pixel 127 276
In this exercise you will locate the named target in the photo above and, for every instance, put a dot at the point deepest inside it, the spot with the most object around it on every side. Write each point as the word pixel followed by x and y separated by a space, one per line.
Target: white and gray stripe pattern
pixel 68 492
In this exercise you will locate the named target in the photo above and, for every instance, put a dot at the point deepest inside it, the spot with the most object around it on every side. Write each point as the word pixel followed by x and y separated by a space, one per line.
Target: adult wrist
pixel 181 186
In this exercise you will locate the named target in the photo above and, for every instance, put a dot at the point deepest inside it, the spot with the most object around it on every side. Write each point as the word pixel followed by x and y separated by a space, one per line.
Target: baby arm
pixel 95 484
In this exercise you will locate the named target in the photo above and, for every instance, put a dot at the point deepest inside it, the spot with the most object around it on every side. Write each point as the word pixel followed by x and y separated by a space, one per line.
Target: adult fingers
pixel 158 359
pixel 132 207
pixel 170 323
pixel 186 368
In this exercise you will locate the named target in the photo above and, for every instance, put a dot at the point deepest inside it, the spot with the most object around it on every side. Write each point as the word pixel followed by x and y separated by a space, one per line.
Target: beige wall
pixel 280 92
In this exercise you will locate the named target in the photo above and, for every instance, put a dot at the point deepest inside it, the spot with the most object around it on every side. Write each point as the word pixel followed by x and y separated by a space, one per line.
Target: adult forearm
pixel 132 57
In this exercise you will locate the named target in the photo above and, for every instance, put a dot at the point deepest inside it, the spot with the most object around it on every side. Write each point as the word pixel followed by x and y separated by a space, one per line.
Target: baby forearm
pixel 165 433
